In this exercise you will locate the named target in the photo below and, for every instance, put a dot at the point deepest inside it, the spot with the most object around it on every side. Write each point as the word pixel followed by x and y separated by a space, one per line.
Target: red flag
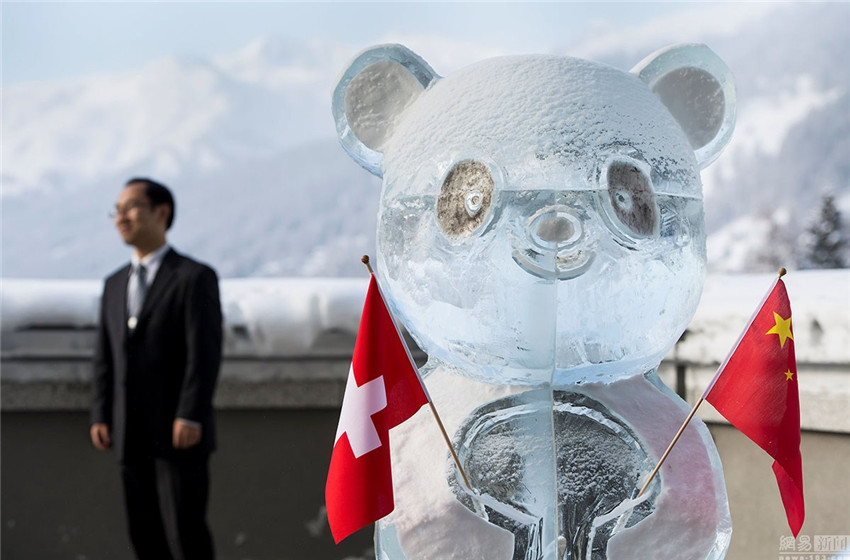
pixel 756 390
pixel 383 390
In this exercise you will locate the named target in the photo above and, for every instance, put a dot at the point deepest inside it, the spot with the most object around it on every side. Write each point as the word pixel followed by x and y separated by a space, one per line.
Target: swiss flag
pixel 383 390
pixel 756 390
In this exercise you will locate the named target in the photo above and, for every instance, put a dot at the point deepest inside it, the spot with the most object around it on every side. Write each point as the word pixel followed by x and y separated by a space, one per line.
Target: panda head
pixel 539 212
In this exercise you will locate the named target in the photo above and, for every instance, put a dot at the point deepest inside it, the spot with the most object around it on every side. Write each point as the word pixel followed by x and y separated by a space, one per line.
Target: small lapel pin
pixel 132 322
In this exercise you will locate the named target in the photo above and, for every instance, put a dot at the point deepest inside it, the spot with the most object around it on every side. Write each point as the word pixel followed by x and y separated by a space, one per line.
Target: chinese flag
pixel 383 390
pixel 756 390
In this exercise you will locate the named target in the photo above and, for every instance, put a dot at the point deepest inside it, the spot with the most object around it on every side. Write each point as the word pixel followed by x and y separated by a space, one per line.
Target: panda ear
pixel 698 89
pixel 379 84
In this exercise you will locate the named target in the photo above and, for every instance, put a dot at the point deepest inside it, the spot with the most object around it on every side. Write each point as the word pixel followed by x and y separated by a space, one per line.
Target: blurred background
pixel 229 105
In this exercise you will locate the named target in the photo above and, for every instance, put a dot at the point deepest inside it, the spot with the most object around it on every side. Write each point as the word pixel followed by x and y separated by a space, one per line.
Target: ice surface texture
pixel 599 461
pixel 541 231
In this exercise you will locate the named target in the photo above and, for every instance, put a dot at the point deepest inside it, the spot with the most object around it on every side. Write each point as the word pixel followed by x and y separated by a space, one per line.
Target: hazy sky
pixel 51 40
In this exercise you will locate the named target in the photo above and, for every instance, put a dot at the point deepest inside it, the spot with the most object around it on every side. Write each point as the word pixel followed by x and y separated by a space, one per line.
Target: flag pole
pixel 782 272
pixel 365 260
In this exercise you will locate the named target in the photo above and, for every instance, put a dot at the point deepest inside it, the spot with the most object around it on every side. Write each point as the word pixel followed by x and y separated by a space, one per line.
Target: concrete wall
pixel 758 518
pixel 277 416
pixel 62 499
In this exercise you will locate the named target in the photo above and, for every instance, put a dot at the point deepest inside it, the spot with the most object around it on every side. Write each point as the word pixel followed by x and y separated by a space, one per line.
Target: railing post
pixel 681 388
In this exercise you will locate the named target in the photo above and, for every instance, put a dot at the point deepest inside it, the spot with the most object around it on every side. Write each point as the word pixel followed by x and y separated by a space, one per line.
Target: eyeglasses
pixel 127 208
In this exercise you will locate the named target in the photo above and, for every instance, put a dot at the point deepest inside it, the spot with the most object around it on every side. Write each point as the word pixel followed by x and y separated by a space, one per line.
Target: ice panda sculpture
pixel 541 236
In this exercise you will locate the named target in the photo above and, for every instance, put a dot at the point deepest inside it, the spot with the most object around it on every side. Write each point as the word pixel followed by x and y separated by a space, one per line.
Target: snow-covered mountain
pixel 247 143
pixel 791 144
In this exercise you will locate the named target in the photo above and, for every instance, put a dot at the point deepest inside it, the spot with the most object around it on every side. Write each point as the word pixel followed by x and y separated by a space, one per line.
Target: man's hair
pixel 158 194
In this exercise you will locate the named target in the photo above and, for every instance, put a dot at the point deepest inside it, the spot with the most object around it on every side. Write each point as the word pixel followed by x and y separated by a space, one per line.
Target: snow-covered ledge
pixel 288 341
pixel 820 303
pixel 262 317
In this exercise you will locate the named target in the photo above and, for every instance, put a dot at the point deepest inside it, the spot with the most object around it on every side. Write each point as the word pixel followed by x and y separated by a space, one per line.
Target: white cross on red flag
pixel 383 390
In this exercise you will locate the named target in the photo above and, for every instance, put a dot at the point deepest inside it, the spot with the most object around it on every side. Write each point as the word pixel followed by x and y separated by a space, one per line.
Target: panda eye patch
pixel 632 198
pixel 465 198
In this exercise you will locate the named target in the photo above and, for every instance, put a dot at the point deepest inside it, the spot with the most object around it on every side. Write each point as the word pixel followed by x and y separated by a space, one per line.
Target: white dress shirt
pixel 151 262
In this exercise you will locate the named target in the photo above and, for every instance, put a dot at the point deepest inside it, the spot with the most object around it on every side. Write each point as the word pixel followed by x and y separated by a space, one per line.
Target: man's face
pixel 138 223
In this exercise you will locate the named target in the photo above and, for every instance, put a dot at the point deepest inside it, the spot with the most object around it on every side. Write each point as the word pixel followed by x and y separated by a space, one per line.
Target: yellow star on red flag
pixel 765 379
pixel 781 328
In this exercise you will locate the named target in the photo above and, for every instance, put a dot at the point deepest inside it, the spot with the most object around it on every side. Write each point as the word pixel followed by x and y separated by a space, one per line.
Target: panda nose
pixel 558 243
pixel 554 227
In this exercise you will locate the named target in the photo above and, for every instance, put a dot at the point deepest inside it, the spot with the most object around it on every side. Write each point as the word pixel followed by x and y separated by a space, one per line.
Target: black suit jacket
pixel 167 367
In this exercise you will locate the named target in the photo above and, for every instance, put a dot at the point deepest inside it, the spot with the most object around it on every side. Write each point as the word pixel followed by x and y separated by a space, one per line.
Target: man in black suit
pixel 155 368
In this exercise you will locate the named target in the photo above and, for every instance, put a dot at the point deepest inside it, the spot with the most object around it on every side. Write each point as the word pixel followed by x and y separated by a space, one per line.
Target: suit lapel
pixel 160 282
pixel 118 306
